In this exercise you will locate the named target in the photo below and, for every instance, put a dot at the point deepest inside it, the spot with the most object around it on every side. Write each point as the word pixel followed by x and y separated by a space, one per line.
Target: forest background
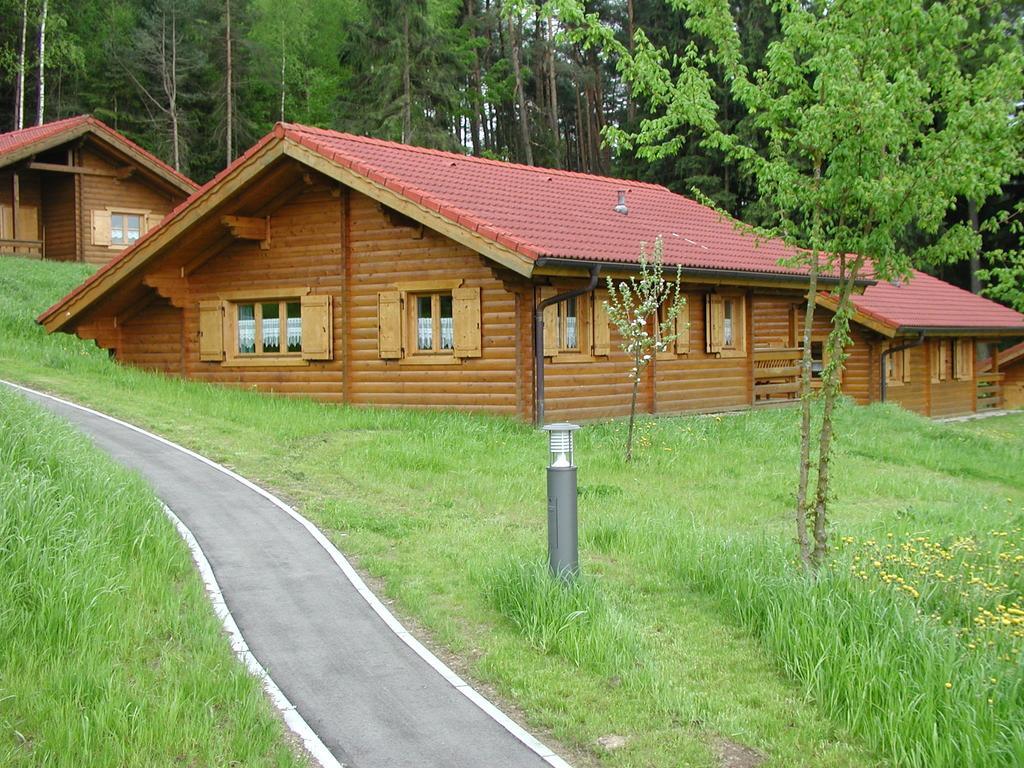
pixel 199 81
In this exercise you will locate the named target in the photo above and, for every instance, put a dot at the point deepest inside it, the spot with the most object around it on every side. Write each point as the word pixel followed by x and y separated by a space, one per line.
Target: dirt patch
pixel 732 754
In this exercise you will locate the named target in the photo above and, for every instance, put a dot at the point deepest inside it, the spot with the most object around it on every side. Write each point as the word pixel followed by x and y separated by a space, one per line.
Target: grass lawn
pixel 111 654
pixel 691 632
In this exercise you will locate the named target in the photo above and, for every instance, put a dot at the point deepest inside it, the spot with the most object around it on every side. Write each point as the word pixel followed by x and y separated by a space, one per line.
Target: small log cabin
pixel 77 190
pixel 361 271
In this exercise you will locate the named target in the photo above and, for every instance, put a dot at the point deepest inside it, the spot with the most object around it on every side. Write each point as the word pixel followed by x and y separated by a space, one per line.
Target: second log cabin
pixel 360 271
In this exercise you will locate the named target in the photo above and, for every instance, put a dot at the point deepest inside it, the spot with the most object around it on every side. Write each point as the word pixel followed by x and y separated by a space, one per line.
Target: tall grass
pixel 874 661
pixel 109 651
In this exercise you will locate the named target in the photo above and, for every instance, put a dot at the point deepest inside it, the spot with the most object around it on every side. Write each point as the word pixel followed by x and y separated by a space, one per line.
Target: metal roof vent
pixel 620 207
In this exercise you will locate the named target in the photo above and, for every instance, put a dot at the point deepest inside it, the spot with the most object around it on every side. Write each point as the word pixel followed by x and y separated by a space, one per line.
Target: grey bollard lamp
pixel 563 534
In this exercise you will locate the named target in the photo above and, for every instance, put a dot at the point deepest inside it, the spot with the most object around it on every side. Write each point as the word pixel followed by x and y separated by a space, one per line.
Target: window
pixel 120 228
pixel 963 359
pixel 433 324
pixel 268 328
pixel 939 352
pixel 897 369
pixel 125 228
pixel 568 325
pixel 681 330
pixel 726 325
pixel 576 326
pixel 268 331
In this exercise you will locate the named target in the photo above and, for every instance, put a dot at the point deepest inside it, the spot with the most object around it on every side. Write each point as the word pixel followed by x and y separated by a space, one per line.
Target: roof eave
pixel 963 330
pixel 708 273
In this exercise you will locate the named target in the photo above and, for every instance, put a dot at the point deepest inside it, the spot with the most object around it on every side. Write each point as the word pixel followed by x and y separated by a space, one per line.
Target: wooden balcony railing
pixel 30 248
pixel 990 391
pixel 776 374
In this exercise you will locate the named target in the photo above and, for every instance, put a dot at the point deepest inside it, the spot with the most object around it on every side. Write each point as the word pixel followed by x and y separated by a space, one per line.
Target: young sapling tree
pixel 644 310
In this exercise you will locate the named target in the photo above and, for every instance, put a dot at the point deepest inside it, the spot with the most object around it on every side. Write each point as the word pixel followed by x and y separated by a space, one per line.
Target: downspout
pixel 538 340
pixel 889 352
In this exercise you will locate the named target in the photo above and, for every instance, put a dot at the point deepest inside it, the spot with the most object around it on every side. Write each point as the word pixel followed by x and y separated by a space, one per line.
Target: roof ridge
pixel 330 133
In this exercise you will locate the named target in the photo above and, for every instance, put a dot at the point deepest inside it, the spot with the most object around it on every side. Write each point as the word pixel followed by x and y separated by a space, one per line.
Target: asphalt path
pixel 375 698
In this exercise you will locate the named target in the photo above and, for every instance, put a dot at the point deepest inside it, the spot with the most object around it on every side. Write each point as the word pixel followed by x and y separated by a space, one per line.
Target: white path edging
pixel 292 717
pixel 295 722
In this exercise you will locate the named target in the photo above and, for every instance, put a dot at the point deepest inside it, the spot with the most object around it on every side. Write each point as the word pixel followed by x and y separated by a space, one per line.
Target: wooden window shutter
pixel 963 359
pixel 466 316
pixel 101 227
pixel 906 355
pixel 317 328
pixel 682 342
pixel 602 331
pixel 389 325
pixel 151 220
pixel 550 323
pixel 211 329
pixel 715 330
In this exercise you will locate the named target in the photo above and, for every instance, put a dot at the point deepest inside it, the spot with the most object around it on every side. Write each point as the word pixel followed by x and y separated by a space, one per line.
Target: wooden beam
pixel 206 254
pixel 120 173
pixel 249 228
pixel 16 192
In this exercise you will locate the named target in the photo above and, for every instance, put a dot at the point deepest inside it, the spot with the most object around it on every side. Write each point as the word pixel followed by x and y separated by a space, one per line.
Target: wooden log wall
pixel 101 192
pixel 949 397
pixel 305 252
pixel 153 338
pixel 385 254
pixel 58 204
pixel 1013 385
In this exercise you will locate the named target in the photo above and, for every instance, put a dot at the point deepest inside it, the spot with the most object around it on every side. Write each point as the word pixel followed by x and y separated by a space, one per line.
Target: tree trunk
pixel 553 92
pixel 171 89
pixel 630 31
pixel 41 105
pixel 474 83
pixel 284 89
pixel 524 118
pixel 228 87
pixel 632 410
pixel 805 417
pixel 972 214
pixel 19 87
pixel 831 385
pixel 406 82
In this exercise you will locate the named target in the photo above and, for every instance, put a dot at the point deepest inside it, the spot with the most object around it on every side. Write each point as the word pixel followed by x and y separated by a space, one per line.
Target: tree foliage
pixel 870 119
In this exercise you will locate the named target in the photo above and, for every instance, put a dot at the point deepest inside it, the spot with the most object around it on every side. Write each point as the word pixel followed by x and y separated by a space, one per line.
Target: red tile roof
pixel 541 212
pixel 924 301
pixel 544 213
pixel 14 143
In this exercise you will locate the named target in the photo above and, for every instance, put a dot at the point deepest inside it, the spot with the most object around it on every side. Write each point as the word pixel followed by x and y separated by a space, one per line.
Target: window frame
pixel 739 347
pixel 124 242
pixel 145 215
pixel 939 361
pixel 964 349
pixel 891 379
pixel 233 300
pixel 563 326
pixel 412 347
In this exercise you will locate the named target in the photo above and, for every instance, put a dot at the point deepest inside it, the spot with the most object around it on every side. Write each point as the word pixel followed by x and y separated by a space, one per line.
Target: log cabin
pixel 360 271
pixel 77 190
